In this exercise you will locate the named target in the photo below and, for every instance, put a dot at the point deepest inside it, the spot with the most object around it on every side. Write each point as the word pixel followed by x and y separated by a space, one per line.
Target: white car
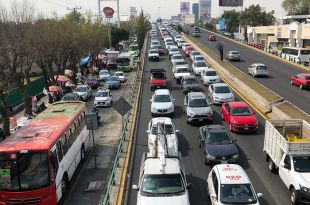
pixel 209 76
pixel 193 54
pixel 153 55
pixel 84 91
pixel 199 67
pixel 229 184
pixel 177 58
pixel 177 38
pixel 198 58
pixel 180 43
pixel 103 98
pixel 180 72
pixel 120 75
pixel 185 45
pixel 173 50
pixel 155 42
pixel 258 69
pixel 162 103
pixel 220 93
pixel 104 74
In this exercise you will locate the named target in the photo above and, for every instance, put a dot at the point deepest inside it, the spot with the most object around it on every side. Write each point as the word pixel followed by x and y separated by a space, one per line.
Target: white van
pixel 298 55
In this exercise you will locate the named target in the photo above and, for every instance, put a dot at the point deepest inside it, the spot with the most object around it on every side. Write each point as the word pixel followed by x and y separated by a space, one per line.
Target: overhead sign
pixel 230 3
pixel 108 12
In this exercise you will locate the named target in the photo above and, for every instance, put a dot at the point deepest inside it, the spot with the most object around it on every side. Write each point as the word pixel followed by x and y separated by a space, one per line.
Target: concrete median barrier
pixel 263 98
pixel 287 110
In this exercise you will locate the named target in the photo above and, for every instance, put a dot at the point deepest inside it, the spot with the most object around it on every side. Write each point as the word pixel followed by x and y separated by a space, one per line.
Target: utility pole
pixel 74 10
pixel 99 10
pixel 159 12
pixel 118 15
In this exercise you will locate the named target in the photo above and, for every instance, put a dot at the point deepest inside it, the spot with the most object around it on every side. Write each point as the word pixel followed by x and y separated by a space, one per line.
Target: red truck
pixel 158 78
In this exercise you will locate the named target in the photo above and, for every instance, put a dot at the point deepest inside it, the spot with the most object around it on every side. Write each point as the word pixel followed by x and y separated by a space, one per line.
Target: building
pixel 205 10
pixel 184 8
pixel 130 14
pixel 292 31
pixel 195 10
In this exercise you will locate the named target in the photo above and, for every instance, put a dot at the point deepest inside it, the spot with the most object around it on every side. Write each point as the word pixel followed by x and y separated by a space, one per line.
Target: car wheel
pixel 64 184
pixel 293 196
pixel 301 87
pixel 82 153
pixel 271 166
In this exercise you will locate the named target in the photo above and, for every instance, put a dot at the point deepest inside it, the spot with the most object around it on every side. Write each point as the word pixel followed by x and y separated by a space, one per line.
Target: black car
pixel 217 145
pixel 71 97
pixel 159 48
pixel 113 82
pixel 92 82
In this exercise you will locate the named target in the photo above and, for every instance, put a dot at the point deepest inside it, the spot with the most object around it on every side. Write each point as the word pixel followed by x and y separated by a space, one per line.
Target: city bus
pixel 298 55
pixel 125 62
pixel 38 161
pixel 134 50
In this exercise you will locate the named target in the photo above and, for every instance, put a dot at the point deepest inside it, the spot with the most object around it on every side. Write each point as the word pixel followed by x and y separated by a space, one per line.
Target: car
pixel 120 75
pixel 211 38
pixel 189 83
pixel 112 64
pixel 113 82
pixel 177 58
pixel 302 80
pixel 84 91
pixel 198 58
pixel 193 54
pixel 159 48
pixel 180 43
pixel 188 50
pixel 233 56
pixel 217 145
pixel 173 50
pixel 71 97
pixel 197 108
pixel 229 184
pixel 185 45
pixel 220 93
pixel 104 74
pixel 92 82
pixel 199 67
pixel 239 117
pixel 179 64
pixel 180 72
pixel 258 69
pixel 162 103
pixel 103 98
pixel 155 42
pixel 177 38
pixel 209 76
pixel 153 55
pixel 157 78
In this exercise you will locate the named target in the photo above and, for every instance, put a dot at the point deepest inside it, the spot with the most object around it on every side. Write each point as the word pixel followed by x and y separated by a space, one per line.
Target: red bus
pixel 38 160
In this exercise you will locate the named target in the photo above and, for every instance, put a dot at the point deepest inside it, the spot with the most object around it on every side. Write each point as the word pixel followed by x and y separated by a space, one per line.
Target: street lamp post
pixel 159 12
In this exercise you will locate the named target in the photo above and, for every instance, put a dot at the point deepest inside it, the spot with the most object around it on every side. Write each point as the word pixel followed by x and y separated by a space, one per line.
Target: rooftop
pixel 231 174
pixel 154 166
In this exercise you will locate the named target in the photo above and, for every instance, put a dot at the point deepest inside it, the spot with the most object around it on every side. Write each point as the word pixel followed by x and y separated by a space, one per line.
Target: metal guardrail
pixel 123 134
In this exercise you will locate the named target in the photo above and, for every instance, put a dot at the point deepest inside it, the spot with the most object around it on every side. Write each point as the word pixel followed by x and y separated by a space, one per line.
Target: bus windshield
pixel 123 61
pixel 24 171
pixel 133 47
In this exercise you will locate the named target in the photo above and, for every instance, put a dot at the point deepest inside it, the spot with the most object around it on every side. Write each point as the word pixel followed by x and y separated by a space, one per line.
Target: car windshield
pixel 168 127
pixel 177 57
pixel 221 89
pixel 91 78
pixel 304 52
pixel 210 73
pixel 190 81
pixel 174 49
pixel 24 171
pixel 123 61
pixel 70 96
pixel 234 52
pixel 195 53
pixel 169 43
pixel 162 184
pixel 153 51
pixel 201 64
pixel 241 111
pixel 302 163
pixel 104 72
pixel 198 103
pixel 162 98
pixel 237 194
pixel 80 89
pixel 180 63
pixel 182 70
pixel 119 74
pixel 307 77
pixel 261 68
pixel 113 78
pixel 199 58
pixel 220 138
pixel 190 48
pixel 102 94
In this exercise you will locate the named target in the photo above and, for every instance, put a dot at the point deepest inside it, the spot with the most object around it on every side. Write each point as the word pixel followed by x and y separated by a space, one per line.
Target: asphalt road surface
pixel 279 71
pixel 250 145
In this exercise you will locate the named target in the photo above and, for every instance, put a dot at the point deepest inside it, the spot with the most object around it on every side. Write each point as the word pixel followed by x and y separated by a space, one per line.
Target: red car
pixel 239 117
pixel 188 50
pixel 212 38
pixel 302 80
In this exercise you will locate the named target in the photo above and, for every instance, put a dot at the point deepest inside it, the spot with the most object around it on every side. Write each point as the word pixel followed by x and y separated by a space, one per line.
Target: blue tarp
pixel 85 60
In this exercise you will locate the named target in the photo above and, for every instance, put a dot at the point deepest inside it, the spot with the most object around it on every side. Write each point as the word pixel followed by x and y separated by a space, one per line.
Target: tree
pixel 231 20
pixel 118 34
pixel 294 7
pixel 142 26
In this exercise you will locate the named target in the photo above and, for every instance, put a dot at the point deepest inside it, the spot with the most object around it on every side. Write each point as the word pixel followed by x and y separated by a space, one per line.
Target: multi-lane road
pixel 280 72
pixel 250 144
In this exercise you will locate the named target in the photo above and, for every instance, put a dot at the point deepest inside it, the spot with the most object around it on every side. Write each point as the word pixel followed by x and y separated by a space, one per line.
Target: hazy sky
pixel 167 7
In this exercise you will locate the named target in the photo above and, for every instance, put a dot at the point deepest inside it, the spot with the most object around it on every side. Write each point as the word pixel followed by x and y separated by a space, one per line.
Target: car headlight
pixel 215 97
pixel 304 189
pixel 95 102
pixel 236 156
pixel 190 113
pixel 210 157
pixel 235 123
pixel 153 109
pixel 171 108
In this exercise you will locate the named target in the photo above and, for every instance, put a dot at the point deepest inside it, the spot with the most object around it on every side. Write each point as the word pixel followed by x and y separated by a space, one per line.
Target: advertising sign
pixel 184 8
pixel 108 12
pixel 230 3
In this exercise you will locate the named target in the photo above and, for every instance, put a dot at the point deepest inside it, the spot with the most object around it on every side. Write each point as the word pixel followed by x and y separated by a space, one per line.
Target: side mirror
pixel 148 131
pixel 150 100
pixel 286 166
pixel 253 113
pixel 259 195
pixel 135 187
pixel 173 99
pixel 189 186
pixel 110 95
pixel 213 196
pixel 177 131
pixel 185 104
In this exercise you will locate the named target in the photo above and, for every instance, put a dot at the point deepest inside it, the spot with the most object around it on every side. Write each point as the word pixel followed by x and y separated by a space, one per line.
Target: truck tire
pixel 293 196
pixel 271 166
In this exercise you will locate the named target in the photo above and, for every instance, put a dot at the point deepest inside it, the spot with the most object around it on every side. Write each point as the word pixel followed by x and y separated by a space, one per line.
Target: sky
pixel 164 8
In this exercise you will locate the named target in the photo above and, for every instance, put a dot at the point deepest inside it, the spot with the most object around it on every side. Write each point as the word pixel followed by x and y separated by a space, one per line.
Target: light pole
pixel 159 12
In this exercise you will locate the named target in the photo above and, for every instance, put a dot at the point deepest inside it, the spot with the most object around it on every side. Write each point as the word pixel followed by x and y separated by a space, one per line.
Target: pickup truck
pixel 287 148
pixel 158 78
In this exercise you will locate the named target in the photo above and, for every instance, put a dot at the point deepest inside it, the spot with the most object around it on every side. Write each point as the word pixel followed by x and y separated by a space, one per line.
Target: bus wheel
pixel 82 153
pixel 64 183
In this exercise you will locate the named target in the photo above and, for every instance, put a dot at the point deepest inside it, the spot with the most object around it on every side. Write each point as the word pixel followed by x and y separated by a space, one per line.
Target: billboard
pixel 205 10
pixel 230 3
pixel 184 8
pixel 174 19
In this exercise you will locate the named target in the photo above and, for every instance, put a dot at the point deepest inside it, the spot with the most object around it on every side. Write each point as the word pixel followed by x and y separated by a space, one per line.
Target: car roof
pixel 237 104
pixel 215 128
pixel 166 120
pixel 219 84
pixel 177 54
pixel 152 49
pixel 233 51
pixel 153 166
pixel 196 95
pixel 231 174
pixel 189 77
pixel 304 74
pixel 259 64
pixel 82 86
pixel 162 92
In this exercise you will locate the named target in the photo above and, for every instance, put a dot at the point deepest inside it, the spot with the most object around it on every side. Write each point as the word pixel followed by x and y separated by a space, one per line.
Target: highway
pixel 280 72
pixel 250 145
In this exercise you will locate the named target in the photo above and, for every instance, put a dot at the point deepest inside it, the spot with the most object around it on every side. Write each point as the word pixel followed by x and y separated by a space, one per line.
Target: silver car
pixel 233 56
pixel 220 93
pixel 177 58
pixel 197 108
pixel 258 69
pixel 189 83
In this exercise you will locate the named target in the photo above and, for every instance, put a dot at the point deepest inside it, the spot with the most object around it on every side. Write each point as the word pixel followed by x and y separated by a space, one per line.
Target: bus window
pixel 64 144
pixel 59 151
pixel 54 164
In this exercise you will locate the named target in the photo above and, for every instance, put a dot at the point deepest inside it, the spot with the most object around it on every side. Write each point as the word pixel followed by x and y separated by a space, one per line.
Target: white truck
pixel 287 147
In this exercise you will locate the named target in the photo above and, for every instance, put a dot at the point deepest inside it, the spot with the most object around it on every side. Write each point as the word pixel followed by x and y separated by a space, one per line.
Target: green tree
pixel 117 35
pixel 293 7
pixel 231 20
pixel 142 25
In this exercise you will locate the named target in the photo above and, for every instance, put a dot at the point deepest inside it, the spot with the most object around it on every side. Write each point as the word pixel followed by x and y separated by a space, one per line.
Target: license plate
pixel 200 120
pixel 246 128
pixel 223 162
pixel 158 86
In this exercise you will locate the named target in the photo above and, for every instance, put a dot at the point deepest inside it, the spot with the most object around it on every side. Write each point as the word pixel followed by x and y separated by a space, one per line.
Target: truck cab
pixel 158 78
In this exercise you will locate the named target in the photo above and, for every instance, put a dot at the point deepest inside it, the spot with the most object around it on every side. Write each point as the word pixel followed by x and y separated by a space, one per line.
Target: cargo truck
pixel 287 148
